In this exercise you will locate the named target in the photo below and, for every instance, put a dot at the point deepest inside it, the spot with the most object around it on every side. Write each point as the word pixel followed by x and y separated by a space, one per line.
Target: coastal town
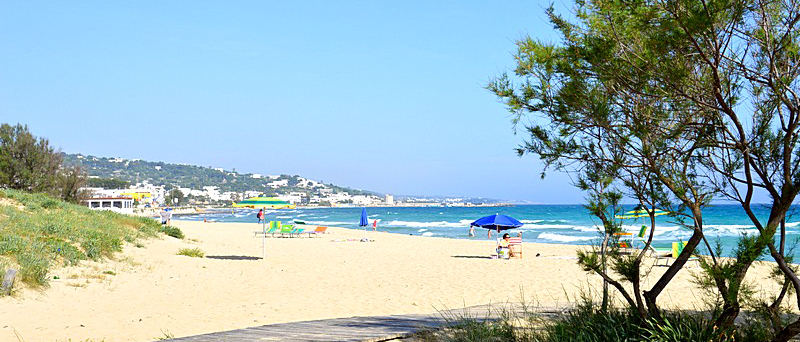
pixel 143 190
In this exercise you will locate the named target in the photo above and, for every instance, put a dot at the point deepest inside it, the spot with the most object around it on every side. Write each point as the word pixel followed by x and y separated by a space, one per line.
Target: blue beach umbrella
pixel 497 222
pixel 364 221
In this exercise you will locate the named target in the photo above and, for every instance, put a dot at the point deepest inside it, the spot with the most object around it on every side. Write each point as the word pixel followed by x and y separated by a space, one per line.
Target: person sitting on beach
pixel 502 246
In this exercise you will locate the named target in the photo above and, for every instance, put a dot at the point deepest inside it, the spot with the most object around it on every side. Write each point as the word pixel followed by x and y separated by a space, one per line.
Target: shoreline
pixel 145 292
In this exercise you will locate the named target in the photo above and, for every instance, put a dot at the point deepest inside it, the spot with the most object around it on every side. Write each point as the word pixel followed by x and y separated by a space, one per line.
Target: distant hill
pixel 194 177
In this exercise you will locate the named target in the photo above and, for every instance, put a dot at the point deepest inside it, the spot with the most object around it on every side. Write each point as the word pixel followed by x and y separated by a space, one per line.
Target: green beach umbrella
pixel 264 203
pixel 637 213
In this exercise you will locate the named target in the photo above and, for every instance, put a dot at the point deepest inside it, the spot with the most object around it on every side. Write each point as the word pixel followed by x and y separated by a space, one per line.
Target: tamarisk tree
pixel 691 99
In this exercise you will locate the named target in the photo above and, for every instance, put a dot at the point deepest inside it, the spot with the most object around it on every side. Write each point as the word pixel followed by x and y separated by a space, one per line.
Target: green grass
pixel 192 252
pixel 49 232
pixel 587 324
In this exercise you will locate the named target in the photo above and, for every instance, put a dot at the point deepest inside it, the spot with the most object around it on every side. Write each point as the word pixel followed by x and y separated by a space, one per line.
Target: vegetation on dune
pixel 30 164
pixel 43 232
pixel 585 324
pixel 192 252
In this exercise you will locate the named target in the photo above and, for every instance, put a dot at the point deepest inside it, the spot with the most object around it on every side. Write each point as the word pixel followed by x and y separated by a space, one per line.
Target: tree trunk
pixel 603 250
pixel 651 295
pixel 788 332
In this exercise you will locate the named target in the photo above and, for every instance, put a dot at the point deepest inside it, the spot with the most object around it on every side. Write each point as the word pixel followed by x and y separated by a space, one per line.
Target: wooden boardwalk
pixel 355 329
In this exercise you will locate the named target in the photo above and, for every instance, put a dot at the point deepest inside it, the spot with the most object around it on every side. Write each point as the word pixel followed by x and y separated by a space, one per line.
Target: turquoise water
pixel 562 224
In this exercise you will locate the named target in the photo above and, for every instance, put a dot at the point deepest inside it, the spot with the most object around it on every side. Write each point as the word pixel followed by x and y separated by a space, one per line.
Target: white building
pixel 123 205
pixel 293 199
pixel 389 199
pixel 278 183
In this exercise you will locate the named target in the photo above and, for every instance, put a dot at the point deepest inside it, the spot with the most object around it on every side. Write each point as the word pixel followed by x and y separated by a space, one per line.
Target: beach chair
pixel 671 253
pixel 640 236
pixel 270 230
pixel 319 230
pixel 515 247
pixel 296 232
pixel 660 253
pixel 274 228
pixel 286 230
pixel 677 248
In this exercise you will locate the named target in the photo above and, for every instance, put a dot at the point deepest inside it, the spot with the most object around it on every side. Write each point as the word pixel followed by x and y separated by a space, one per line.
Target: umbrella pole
pixel 264 237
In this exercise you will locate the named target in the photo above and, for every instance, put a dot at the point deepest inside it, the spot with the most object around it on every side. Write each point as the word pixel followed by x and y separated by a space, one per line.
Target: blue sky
pixel 378 95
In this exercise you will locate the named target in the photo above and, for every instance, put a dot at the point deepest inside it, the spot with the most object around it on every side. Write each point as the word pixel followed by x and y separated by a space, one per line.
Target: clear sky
pixel 377 95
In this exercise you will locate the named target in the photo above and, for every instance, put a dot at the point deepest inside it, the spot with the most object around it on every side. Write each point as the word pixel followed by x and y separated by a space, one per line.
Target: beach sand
pixel 150 292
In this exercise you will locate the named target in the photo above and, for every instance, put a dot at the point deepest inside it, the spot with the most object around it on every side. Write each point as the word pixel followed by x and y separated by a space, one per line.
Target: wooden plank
pixel 8 282
pixel 351 329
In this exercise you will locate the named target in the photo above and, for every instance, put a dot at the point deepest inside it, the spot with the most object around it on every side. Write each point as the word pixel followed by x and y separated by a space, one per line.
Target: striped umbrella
pixel 637 213
pixel 264 203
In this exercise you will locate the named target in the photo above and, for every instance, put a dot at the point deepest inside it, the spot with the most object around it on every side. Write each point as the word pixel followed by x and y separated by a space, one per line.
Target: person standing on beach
pixel 471 231
pixel 260 215
pixel 374 225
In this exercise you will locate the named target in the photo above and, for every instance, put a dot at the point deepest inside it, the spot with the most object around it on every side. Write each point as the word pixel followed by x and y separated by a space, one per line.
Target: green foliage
pixel 107 183
pixel 33 266
pixel 48 232
pixel 192 252
pixel 30 164
pixel 172 231
pixel 586 324
pixel 26 162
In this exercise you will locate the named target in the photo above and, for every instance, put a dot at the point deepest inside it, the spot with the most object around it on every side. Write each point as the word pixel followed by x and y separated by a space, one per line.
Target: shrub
pixel 172 231
pixel 33 268
pixel 585 324
pixel 192 252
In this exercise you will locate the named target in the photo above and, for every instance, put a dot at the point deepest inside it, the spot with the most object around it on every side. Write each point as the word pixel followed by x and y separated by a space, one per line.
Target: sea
pixel 560 224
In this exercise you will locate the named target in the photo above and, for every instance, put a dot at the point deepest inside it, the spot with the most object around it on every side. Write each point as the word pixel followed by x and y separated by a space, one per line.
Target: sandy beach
pixel 149 292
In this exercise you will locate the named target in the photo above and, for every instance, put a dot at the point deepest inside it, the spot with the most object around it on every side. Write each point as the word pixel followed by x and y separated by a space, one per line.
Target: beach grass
pixel 38 232
pixel 586 323
pixel 192 252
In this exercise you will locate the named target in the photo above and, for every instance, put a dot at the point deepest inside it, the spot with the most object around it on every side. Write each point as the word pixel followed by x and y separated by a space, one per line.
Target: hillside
pixel 194 177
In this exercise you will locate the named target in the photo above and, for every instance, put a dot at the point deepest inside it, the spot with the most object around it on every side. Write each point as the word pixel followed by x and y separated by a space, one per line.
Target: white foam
pixel 427 234
pixel 538 221
pixel 564 238
pixel 330 223
pixel 422 230
pixel 440 224
pixel 551 226
pixel 283 216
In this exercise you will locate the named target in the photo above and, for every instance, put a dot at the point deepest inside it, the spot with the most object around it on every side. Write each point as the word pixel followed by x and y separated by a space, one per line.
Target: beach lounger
pixel 671 253
pixel 515 247
pixel 319 230
pixel 274 227
pixel 660 253
pixel 271 230
pixel 642 232
pixel 286 230
pixel 297 232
